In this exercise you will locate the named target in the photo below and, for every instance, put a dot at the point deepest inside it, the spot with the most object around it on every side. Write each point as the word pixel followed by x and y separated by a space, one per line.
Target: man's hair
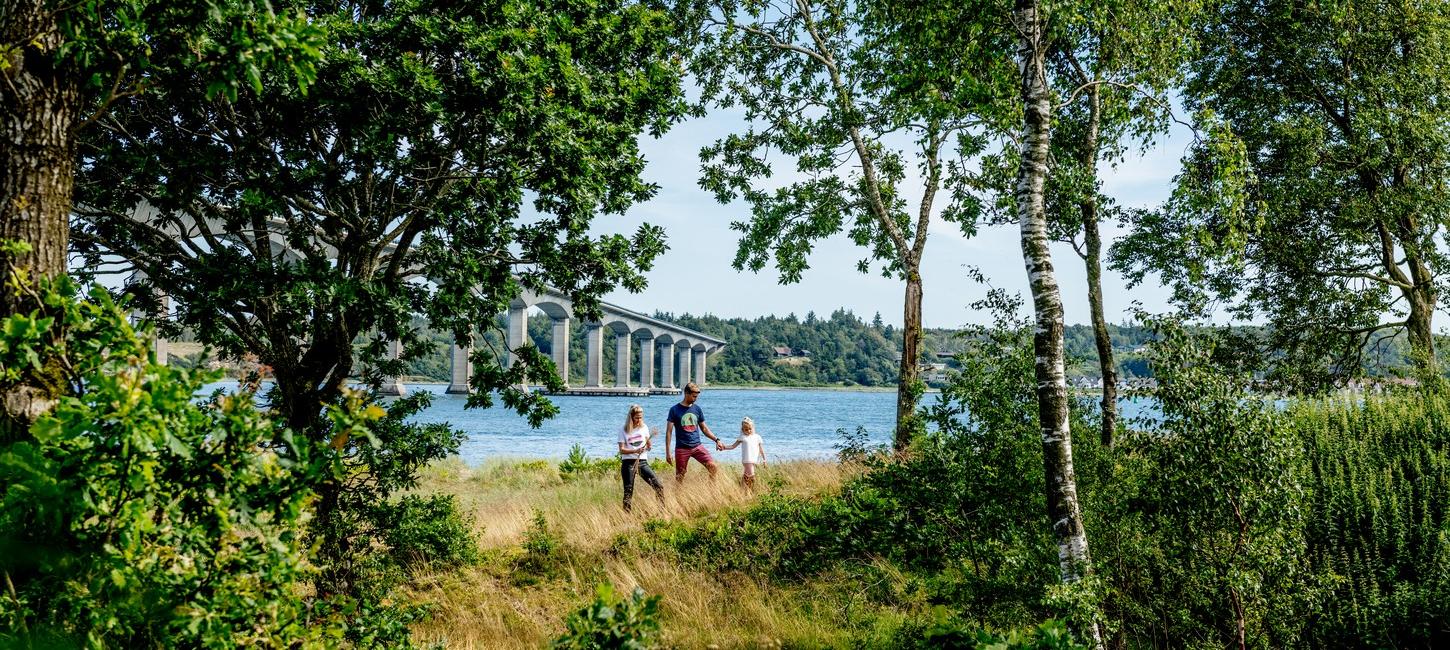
pixel 692 388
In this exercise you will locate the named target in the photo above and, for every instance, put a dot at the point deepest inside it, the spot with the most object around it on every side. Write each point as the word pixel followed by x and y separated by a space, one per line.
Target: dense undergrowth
pixel 1225 520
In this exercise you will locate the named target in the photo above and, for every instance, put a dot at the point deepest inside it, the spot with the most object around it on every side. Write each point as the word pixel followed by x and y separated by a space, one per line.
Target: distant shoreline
pixel 844 389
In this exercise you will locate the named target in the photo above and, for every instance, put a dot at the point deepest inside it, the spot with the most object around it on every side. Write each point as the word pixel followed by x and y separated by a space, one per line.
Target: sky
pixel 695 276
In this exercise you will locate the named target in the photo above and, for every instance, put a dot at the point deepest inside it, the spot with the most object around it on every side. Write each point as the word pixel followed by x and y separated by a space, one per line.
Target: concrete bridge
pixel 669 356
pixel 668 353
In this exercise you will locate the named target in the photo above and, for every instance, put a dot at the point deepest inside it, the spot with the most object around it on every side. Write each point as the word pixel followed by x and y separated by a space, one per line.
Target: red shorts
pixel 684 454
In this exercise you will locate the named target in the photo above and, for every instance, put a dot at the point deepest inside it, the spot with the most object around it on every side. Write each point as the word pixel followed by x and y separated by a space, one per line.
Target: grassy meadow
pixel 506 601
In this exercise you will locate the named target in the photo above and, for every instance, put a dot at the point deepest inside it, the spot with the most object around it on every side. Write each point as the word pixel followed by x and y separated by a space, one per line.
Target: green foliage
pixel 1216 483
pixel 135 515
pixel 1334 127
pixel 371 462
pixel 578 464
pixel 427 533
pixel 543 551
pixel 613 623
pixel 115 46
pixel 1378 519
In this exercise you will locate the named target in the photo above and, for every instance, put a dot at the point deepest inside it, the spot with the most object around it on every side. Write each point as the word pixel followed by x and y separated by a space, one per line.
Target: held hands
pixel 719 446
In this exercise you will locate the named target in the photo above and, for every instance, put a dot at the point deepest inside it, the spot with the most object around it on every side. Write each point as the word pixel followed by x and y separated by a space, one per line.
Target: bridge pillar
pixel 158 342
pixel 560 348
pixel 518 333
pixel 462 369
pixel 646 363
pixel 593 355
pixel 684 356
pixel 391 385
pixel 621 360
pixel 667 369
pixel 700 367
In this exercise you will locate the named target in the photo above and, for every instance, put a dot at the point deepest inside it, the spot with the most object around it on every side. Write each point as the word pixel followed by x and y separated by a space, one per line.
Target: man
pixel 690 420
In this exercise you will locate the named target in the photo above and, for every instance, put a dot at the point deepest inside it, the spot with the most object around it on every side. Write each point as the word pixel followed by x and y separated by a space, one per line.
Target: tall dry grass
pixel 490 606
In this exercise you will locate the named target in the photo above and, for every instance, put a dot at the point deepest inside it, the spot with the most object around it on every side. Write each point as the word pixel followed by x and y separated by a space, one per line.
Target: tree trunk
pixel 1093 240
pixel 1107 363
pixel 39 107
pixel 908 388
pixel 1419 322
pixel 1074 561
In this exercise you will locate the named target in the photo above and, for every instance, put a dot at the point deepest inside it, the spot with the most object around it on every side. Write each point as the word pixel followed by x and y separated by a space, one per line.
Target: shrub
pixel 578 464
pixel 543 551
pixel 134 515
pixel 611 623
pixel 1378 521
pixel 427 532
pixel 370 463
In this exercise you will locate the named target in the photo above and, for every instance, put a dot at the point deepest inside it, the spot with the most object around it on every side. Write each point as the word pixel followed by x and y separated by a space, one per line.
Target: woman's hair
pixel 747 423
pixel 629 415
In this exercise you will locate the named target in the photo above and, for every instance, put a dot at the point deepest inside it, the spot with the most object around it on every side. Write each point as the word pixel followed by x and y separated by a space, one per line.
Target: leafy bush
pixel 427 532
pixel 578 464
pixel 1222 483
pixel 134 515
pixel 356 512
pixel 542 551
pixel 1378 519
pixel 611 623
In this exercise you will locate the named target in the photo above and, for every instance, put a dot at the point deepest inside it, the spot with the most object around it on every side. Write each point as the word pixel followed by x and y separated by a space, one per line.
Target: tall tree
pixel 62 65
pixel 1114 65
pixel 819 87
pixel 297 226
pixel 1341 110
pixel 1047 341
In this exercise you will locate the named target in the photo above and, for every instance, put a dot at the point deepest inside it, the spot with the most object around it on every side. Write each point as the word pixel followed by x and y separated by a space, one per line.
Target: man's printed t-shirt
pixel 634 439
pixel 687 420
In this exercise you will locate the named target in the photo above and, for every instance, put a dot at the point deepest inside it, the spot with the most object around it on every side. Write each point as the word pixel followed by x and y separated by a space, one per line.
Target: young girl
pixel 752 451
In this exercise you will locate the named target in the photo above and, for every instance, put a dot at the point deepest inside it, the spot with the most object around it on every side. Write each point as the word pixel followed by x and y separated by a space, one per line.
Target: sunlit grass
pixel 489 606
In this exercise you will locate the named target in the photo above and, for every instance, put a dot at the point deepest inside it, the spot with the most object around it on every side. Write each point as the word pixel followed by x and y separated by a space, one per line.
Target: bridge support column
pixel 700 368
pixel 593 355
pixel 621 360
pixel 462 370
pixel 560 347
pixel 392 385
pixel 646 363
pixel 667 369
pixel 158 343
pixel 518 333
pixel 684 356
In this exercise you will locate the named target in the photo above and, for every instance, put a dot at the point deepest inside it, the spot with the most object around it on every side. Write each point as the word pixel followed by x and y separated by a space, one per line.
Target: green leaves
pixel 135 514
pixel 625 623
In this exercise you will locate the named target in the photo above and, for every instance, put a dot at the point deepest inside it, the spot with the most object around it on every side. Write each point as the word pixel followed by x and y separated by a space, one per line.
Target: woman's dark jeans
pixel 627 472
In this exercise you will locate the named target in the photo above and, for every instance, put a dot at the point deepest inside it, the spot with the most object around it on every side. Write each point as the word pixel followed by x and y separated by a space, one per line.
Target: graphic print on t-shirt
pixel 688 422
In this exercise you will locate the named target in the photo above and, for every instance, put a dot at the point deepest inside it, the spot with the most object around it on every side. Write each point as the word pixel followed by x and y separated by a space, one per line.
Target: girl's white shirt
pixel 750 448
pixel 634 439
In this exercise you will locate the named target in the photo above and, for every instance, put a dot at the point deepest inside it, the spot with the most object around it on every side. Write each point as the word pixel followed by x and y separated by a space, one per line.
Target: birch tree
pixel 1035 137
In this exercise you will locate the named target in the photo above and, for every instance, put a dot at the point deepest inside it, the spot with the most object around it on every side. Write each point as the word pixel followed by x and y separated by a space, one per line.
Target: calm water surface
pixel 795 423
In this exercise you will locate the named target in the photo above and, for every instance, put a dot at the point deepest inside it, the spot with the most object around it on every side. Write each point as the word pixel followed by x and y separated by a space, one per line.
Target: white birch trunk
pixel 1074 561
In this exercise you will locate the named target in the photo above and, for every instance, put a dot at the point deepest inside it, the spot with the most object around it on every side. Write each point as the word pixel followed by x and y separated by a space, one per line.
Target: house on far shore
pixel 783 351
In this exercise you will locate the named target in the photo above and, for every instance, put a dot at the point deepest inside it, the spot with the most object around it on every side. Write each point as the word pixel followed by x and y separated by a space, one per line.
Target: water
pixel 795 423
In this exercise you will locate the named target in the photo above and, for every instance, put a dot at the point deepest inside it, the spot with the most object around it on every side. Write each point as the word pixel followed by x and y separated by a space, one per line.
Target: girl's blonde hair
pixel 747 423
pixel 629 415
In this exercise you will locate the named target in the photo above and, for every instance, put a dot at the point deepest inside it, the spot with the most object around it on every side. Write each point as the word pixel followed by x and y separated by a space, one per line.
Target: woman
pixel 634 445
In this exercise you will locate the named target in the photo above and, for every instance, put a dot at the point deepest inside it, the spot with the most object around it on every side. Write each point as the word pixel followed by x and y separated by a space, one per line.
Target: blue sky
pixel 695 275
